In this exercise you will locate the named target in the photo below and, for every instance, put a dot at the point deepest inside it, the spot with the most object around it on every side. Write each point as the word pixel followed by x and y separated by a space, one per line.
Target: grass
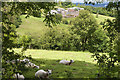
pixel 101 18
pixel 55 55
pixel 83 67
pixel 36 27
pixel 31 25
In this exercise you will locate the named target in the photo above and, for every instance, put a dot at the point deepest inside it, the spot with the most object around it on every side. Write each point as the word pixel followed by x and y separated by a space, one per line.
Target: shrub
pixel 58 17
pixel 65 21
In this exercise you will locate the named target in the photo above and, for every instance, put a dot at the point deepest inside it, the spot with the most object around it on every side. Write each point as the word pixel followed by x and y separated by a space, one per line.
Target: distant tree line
pixel 99 10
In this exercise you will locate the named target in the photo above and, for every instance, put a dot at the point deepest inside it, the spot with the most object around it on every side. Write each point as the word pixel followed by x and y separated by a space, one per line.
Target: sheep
pixel 18 60
pixel 25 60
pixel 43 74
pixel 29 64
pixel 66 62
pixel 32 65
pixel 20 77
pixel 35 66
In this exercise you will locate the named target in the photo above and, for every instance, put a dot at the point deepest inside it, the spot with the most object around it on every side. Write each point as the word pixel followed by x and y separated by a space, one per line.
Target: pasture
pixel 101 18
pixel 83 66
pixel 36 27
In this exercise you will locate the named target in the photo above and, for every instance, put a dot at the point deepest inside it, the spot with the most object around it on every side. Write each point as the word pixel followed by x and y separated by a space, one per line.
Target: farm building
pixel 53 12
pixel 78 8
pixel 70 12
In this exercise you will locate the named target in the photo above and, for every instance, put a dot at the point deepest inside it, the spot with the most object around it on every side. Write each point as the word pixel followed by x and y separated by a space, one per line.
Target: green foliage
pixel 16 20
pixel 58 18
pixel 64 21
pixel 10 20
pixel 97 15
pixel 67 4
pixel 37 13
pixel 101 10
pixel 76 9
pixel 56 39
pixel 24 41
pixel 109 64
pixel 84 26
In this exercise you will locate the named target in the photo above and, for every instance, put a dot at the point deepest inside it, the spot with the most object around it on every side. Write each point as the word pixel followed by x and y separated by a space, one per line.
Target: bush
pixel 58 18
pixel 65 21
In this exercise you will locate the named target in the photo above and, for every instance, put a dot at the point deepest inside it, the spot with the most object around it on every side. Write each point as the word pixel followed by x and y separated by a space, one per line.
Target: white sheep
pixel 29 64
pixel 25 60
pixel 43 74
pixel 35 66
pixel 20 77
pixel 66 62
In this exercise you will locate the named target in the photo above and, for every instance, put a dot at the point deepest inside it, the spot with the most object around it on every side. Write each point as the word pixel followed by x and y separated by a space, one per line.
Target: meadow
pixel 83 66
pixel 101 18
pixel 36 26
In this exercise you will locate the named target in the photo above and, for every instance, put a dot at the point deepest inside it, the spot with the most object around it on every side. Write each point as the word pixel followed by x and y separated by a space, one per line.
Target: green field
pixel 101 18
pixel 36 27
pixel 83 66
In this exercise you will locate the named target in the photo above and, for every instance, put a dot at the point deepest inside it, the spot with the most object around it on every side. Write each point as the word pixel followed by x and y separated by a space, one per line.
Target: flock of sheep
pixel 40 73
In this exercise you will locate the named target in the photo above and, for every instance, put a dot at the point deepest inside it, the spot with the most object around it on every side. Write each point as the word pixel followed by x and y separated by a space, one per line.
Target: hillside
pixel 36 27
pixel 101 18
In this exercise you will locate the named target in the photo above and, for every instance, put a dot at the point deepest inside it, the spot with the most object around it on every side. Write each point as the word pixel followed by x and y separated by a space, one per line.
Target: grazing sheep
pixel 25 60
pixel 32 65
pixel 66 62
pixel 35 66
pixel 27 65
pixel 43 74
pixel 20 77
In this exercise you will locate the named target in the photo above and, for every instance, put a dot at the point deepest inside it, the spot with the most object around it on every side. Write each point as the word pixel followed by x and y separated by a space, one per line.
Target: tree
pixel 84 26
pixel 58 18
pixel 10 11
pixel 107 63
pixel 67 3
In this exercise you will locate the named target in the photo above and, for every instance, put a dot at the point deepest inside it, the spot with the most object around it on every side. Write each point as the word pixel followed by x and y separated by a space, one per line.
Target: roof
pixel 53 12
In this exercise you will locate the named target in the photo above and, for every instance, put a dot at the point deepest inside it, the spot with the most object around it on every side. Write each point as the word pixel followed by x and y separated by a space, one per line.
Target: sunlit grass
pixel 101 18
pixel 83 66
pixel 57 55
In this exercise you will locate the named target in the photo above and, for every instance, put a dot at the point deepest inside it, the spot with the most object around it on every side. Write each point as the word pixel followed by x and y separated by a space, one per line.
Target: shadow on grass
pixel 78 69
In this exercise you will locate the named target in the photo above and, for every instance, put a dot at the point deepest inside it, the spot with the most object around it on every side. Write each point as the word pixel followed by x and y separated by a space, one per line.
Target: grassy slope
pixel 101 18
pixel 34 26
pixel 83 67
pixel 31 25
